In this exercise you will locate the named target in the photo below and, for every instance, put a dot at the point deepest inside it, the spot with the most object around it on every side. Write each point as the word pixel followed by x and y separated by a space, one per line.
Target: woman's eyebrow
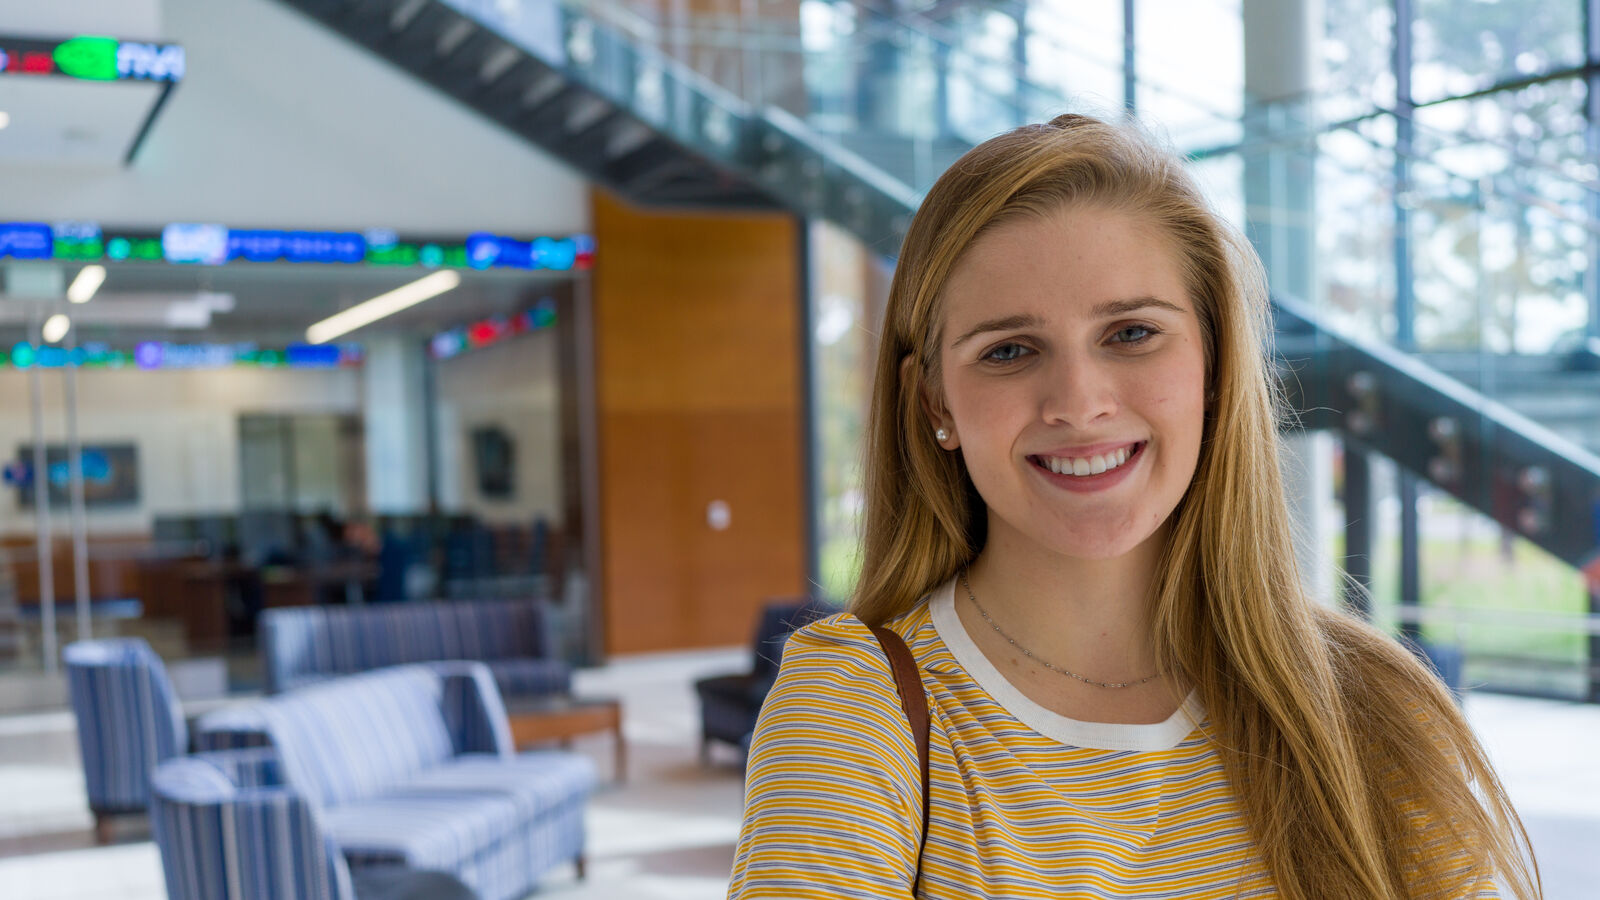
pixel 1123 307
pixel 1005 323
pixel 1102 311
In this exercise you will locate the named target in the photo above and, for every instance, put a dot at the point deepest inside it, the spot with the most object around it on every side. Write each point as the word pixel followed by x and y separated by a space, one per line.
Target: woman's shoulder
pixel 835 700
pixel 845 638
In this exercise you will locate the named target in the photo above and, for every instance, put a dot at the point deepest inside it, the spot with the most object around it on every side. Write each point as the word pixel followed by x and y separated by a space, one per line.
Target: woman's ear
pixel 940 422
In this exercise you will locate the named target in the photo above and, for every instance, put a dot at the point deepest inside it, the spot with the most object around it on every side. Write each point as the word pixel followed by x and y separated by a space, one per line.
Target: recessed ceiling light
pixel 88 281
pixel 55 328
pixel 382 305
pixel 5 119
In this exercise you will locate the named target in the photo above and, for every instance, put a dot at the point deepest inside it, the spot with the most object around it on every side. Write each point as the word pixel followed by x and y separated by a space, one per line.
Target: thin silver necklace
pixel 1029 654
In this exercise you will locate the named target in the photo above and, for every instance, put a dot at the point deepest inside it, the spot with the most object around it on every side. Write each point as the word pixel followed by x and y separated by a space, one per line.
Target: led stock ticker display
pixel 215 245
pixel 160 355
pixel 91 58
pixel 457 341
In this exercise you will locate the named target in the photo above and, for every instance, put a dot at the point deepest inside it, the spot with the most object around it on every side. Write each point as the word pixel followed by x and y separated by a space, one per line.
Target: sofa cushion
pixel 356 737
pixel 538 782
pixel 448 815
pixel 422 829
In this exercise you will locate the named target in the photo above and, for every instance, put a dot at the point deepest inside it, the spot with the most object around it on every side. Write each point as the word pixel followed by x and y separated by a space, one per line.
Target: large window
pixel 1189 62
pixel 1357 71
pixel 1355 226
pixel 1501 230
pixel 1074 48
pixel 1460 47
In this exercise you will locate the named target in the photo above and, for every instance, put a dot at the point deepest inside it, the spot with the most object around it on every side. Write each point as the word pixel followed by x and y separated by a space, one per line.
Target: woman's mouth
pixel 1087 467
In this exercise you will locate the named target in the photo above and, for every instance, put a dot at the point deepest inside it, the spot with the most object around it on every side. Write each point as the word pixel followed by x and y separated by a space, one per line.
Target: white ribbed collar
pixel 1072 732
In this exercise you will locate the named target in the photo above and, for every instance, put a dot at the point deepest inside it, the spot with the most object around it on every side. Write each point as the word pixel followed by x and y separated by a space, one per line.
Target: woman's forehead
pixel 1081 264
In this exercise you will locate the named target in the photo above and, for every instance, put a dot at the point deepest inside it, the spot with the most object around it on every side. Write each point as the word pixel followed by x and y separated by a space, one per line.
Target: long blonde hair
pixel 1359 776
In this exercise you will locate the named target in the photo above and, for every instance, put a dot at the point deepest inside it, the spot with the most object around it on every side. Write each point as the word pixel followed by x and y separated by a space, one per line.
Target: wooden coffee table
pixel 563 718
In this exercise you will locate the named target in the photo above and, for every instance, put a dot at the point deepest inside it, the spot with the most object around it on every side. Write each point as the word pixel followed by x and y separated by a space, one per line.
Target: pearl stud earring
pixel 942 435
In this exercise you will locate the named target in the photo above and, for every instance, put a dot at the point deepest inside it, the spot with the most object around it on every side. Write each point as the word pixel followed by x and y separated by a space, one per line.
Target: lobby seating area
pixel 409 766
pixel 403 768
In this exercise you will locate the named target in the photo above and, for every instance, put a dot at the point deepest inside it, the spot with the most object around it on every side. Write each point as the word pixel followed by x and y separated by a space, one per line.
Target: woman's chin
pixel 1093 548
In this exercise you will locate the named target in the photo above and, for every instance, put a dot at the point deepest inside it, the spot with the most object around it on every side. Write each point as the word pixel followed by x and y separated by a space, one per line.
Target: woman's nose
pixel 1077 392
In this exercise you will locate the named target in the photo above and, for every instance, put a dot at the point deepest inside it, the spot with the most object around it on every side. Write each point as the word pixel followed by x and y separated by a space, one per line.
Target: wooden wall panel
pixel 698 384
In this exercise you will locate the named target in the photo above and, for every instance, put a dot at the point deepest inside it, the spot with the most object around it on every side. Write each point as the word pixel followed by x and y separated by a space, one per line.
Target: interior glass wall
pixel 229 466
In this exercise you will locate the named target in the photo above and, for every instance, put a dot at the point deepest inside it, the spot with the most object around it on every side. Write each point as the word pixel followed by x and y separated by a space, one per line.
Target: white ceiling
pixel 69 122
pixel 131 20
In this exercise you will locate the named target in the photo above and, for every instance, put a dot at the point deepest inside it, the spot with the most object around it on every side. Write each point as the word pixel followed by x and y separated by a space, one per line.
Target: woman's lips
pixel 1082 483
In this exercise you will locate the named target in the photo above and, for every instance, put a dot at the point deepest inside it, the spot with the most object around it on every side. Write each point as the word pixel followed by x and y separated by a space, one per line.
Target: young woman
pixel 1076 522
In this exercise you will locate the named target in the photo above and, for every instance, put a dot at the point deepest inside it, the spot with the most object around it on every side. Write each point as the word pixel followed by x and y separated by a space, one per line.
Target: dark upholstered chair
pixel 729 704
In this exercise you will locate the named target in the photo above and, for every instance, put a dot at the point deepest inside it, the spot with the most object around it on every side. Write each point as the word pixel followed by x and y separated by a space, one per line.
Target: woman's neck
pixel 1090 616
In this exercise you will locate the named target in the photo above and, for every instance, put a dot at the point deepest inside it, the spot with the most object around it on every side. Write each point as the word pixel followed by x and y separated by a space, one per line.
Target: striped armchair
pixel 129 720
pixel 229 827
pixel 413 767
pixel 306 644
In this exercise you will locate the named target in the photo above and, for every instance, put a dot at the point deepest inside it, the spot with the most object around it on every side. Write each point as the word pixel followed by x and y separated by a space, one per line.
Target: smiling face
pixel 1072 372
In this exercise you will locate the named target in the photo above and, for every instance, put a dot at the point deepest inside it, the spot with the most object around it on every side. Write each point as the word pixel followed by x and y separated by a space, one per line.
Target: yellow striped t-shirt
pixel 1024 802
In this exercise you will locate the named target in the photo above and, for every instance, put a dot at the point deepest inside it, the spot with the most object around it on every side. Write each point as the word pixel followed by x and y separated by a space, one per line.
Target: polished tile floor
pixel 668 831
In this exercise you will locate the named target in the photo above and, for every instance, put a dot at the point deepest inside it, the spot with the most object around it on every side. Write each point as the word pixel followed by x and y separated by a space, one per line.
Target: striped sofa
pixel 129 720
pixel 306 644
pixel 410 766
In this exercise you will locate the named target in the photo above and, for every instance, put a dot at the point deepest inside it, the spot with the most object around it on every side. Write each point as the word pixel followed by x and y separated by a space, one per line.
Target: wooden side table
pixel 563 718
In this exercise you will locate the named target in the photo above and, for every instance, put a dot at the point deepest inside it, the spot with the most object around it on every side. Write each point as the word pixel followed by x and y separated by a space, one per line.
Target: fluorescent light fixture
pixel 55 328
pixel 88 281
pixel 5 118
pixel 366 313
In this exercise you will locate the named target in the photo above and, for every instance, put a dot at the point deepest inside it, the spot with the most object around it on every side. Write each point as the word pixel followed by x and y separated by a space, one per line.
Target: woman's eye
pixel 1134 334
pixel 1005 353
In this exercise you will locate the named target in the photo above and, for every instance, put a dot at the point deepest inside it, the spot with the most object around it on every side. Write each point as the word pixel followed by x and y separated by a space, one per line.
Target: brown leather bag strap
pixel 914 701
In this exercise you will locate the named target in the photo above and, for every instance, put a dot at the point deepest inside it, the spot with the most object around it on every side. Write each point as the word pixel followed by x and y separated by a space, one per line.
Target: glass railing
pixel 907 92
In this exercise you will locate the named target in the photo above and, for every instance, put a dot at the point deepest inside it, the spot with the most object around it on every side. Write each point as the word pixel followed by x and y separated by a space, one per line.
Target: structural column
pixel 395 407
pixel 1358 528
pixel 1280 41
pixel 1307 462
pixel 1405 313
pixel 43 285
pixel 1592 287
pixel 1280 45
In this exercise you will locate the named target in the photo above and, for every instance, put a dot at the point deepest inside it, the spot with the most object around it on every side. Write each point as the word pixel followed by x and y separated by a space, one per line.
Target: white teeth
pixel 1094 465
